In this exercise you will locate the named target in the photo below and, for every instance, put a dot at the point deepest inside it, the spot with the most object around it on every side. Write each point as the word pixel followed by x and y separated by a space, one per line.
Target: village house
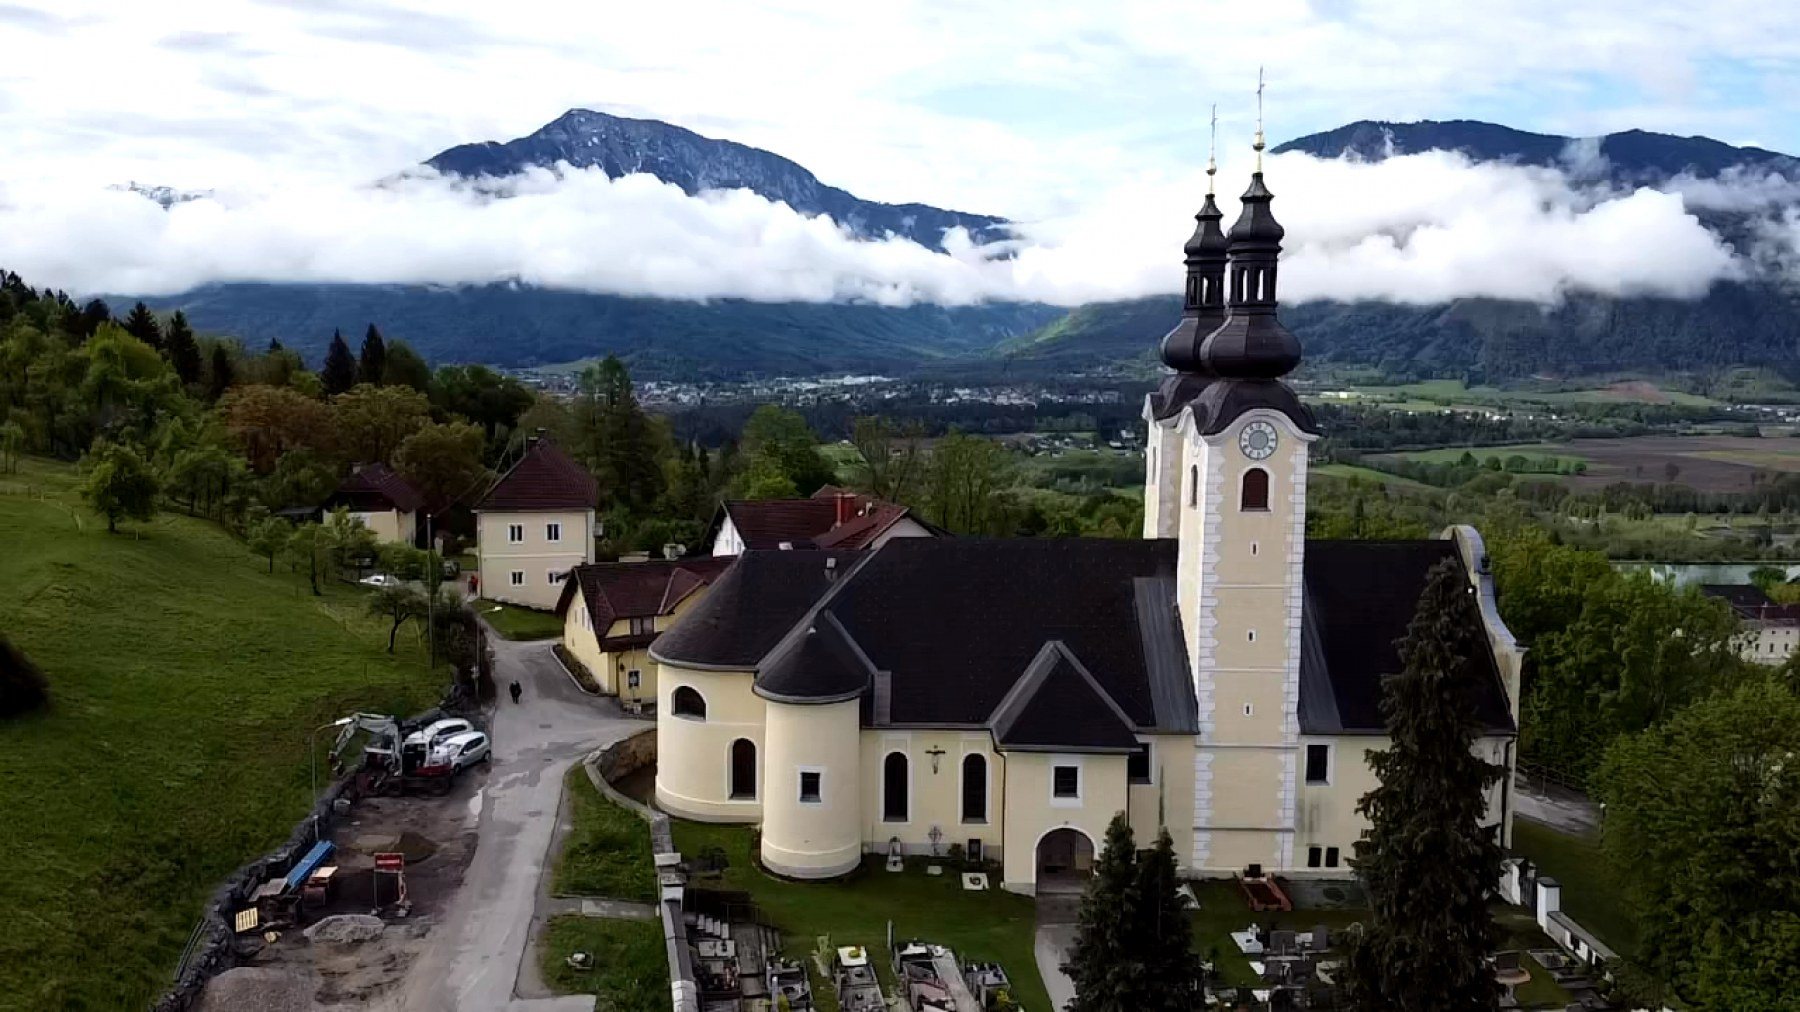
pixel 1771 631
pixel 613 611
pixel 1220 678
pixel 535 525
pixel 832 518
pixel 380 500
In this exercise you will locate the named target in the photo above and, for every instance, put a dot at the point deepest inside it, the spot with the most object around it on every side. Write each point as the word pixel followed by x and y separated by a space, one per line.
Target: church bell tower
pixel 1226 477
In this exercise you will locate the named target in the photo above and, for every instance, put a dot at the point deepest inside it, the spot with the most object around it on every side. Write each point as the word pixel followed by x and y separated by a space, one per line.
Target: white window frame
pixel 556 576
pixel 1058 801
pixel 1306 762
pixel 553 532
pixel 517 578
pixel 515 534
pixel 800 784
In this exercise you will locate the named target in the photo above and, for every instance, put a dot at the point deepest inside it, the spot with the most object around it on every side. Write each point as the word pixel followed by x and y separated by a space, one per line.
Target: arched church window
pixel 894 783
pixel 974 788
pixel 1255 494
pixel 743 768
pixel 687 702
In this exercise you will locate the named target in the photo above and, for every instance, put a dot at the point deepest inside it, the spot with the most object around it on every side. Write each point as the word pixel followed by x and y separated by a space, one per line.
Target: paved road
pixel 1056 914
pixel 1556 807
pixel 473 961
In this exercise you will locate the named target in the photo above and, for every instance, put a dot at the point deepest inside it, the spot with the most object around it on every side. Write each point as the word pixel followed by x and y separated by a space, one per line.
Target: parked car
pixel 382 580
pixel 436 732
pixel 467 749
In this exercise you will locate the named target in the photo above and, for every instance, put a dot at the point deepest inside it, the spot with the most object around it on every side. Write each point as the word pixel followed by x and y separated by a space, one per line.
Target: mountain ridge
pixel 618 145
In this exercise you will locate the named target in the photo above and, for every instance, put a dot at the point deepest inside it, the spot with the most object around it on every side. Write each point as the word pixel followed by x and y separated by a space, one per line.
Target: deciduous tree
pixel 442 461
pixel 270 422
pixel 1702 830
pixel 120 484
pixel 405 368
pixel 1427 862
pixel 373 421
pixel 781 441
pixel 893 457
pixel 268 537
pixel 397 604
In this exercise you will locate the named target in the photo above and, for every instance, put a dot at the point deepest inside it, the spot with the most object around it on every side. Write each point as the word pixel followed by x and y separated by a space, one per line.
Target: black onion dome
pixel 1203 302
pixel 1208 238
pixel 1252 343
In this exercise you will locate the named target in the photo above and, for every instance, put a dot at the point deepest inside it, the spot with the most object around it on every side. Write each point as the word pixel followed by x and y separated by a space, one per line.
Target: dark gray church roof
pixel 1360 598
pixel 1070 643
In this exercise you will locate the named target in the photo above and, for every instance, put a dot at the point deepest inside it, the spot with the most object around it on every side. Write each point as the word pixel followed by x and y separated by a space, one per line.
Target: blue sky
pixel 1004 106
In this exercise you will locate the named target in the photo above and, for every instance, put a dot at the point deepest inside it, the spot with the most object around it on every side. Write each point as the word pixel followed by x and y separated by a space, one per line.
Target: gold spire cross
pixel 1259 118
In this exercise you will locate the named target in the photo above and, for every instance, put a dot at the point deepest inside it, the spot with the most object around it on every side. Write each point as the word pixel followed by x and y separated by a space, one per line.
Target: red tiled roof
pixel 373 488
pixel 544 479
pixel 861 531
pixel 616 590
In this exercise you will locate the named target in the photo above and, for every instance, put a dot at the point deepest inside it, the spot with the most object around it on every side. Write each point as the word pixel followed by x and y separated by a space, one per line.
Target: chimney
pixel 846 504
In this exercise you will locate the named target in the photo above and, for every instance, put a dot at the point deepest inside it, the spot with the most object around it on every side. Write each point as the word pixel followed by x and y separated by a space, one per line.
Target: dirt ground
pixel 1708 463
pixel 438 836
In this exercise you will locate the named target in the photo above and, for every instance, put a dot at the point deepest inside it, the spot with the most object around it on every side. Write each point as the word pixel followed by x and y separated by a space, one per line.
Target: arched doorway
pixel 743 769
pixel 1065 857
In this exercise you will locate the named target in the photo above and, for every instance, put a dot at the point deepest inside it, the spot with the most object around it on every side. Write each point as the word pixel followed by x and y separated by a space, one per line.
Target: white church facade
pixel 1220 678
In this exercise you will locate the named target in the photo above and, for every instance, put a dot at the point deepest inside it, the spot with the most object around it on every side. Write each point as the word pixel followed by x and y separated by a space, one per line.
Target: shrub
pixel 22 686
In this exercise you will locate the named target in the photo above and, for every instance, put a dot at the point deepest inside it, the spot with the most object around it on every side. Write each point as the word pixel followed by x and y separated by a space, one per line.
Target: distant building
pixel 381 500
pixel 1771 631
pixel 1221 678
pixel 832 518
pixel 535 525
pixel 613 611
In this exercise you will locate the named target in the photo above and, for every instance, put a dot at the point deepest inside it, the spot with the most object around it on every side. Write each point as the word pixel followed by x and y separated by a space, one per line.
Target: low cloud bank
pixel 1420 228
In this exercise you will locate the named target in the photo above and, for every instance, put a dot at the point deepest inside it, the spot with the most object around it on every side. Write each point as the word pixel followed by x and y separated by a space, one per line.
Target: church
pixel 1220 678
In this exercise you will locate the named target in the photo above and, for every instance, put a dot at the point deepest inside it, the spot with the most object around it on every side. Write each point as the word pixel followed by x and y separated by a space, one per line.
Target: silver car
pixel 464 750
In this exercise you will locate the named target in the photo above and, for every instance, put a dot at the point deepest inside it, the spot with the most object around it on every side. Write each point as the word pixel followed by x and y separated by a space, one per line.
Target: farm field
pixel 184 680
pixel 1707 463
pixel 1368 474
pixel 1443 393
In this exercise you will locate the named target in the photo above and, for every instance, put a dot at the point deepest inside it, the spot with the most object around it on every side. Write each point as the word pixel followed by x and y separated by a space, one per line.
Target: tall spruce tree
pixel 371 365
pixel 1105 964
pixel 621 445
pixel 92 316
pixel 1427 862
pixel 142 325
pixel 182 350
pixel 339 373
pixel 220 374
pixel 1165 937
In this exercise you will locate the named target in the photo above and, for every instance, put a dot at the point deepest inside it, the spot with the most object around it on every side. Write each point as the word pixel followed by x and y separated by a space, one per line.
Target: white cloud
pixel 1420 228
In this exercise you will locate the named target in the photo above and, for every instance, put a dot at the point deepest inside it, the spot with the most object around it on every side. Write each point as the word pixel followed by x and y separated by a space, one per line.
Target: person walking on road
pixel 515 690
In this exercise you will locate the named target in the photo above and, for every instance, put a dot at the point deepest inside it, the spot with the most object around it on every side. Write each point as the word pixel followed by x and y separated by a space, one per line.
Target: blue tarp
pixel 310 863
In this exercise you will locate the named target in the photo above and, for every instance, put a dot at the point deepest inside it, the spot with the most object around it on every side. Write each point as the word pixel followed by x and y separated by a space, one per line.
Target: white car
pixel 382 580
pixel 465 750
pixel 434 734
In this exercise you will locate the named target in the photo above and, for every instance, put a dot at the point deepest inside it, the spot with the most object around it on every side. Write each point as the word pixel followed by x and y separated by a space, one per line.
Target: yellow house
pixel 612 612
pixel 380 500
pixel 1220 679
pixel 535 525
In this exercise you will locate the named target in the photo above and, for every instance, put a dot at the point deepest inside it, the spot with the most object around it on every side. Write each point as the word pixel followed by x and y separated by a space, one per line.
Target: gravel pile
pixel 263 988
pixel 346 928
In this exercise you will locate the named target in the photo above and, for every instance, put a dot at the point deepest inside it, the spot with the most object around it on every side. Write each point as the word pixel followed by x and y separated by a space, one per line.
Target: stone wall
pixel 619 760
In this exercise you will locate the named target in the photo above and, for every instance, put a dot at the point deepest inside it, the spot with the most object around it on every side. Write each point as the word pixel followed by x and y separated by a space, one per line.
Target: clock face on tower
pixel 1258 440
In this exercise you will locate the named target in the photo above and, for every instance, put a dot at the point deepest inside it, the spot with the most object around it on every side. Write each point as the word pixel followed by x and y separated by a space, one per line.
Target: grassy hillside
pixel 184 682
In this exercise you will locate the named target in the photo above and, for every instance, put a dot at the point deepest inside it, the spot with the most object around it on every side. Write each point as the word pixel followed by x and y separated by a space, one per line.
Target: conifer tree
pixel 1426 861
pixel 339 373
pixel 182 350
pixel 1164 934
pixel 1103 966
pixel 142 325
pixel 92 316
pixel 221 373
pixel 275 346
pixel 371 366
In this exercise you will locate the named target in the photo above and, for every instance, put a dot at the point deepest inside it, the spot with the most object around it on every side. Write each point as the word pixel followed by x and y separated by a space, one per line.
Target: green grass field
pixel 516 623
pixel 607 852
pixel 1532 451
pixel 991 926
pixel 630 974
pixel 1588 892
pixel 184 682
pixel 1370 474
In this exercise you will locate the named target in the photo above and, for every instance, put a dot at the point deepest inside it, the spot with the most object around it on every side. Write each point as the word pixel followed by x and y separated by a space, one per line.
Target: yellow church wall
pixel 693 761
pixel 812 839
pixel 935 798
pixel 1031 812
pixel 1171 791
